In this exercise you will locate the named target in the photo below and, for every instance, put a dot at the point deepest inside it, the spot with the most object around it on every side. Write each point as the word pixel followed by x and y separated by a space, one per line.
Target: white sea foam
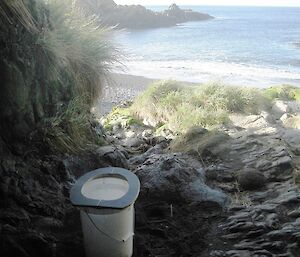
pixel 197 71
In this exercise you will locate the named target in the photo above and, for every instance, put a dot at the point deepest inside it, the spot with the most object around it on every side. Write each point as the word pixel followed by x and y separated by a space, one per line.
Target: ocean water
pixel 251 46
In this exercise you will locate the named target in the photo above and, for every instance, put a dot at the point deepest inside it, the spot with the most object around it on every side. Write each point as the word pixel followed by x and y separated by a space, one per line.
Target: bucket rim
pixel 78 199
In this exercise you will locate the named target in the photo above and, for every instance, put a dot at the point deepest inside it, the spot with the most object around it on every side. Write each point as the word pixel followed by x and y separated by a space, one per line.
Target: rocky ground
pixel 36 217
pixel 240 197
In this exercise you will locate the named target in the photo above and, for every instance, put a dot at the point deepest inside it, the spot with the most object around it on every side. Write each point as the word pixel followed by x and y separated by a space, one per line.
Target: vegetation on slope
pixel 60 56
pixel 71 130
pixel 138 16
pixel 283 92
pixel 120 117
pixel 182 107
pixel 79 46
pixel 10 9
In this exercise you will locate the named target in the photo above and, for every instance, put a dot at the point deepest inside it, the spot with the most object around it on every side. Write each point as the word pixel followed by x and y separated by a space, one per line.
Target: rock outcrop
pixel 184 207
pixel 139 17
pixel 168 177
pixel 183 15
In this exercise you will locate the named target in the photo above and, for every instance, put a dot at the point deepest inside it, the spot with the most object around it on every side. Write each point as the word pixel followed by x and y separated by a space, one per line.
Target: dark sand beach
pixel 118 88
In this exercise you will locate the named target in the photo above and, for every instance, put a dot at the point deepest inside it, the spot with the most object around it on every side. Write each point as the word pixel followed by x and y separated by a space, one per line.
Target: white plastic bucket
pixel 106 200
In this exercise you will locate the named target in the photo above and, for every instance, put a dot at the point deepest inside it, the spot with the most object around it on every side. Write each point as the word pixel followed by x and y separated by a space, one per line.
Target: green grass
pixel 74 44
pixel 232 99
pixel 83 50
pixel 74 54
pixel 71 130
pixel 79 46
pixel 181 107
pixel 283 92
pixel 18 9
pixel 121 117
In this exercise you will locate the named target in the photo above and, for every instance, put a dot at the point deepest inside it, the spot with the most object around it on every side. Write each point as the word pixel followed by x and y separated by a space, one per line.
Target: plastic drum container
pixel 106 200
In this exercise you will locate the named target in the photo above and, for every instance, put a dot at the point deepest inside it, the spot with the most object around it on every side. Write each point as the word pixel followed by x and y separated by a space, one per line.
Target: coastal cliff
pixel 139 17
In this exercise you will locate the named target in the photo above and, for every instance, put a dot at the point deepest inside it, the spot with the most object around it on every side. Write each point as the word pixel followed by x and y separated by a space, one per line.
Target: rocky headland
pixel 138 16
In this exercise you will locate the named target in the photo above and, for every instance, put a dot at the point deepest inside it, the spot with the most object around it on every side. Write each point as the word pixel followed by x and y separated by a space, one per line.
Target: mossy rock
pixel 198 139
pixel 121 117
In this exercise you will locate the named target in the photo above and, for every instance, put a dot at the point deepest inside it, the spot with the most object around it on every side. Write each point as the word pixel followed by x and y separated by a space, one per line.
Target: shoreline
pixel 233 74
pixel 118 88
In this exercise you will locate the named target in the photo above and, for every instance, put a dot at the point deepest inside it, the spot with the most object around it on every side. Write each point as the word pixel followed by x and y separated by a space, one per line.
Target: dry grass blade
pixel 71 130
pixel 208 105
pixel 18 9
pixel 80 45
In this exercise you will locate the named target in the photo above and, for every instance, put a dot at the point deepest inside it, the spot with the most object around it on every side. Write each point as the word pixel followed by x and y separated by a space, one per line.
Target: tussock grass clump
pixel 19 10
pixel 181 107
pixel 79 46
pixel 82 49
pixel 71 130
pixel 73 43
pixel 232 99
pixel 71 54
pixel 283 92
pixel 159 101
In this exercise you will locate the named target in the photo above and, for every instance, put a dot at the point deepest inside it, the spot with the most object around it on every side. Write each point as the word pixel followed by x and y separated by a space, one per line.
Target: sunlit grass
pixel 121 117
pixel 80 46
pixel 209 105
pixel 17 9
pixel 71 55
pixel 283 92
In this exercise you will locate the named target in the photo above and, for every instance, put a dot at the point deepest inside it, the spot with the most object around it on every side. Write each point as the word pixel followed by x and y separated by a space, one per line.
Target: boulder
pixel 279 108
pixel 169 177
pixel 251 180
pixel 294 106
pixel 101 157
pixel 133 142
pixel 284 117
